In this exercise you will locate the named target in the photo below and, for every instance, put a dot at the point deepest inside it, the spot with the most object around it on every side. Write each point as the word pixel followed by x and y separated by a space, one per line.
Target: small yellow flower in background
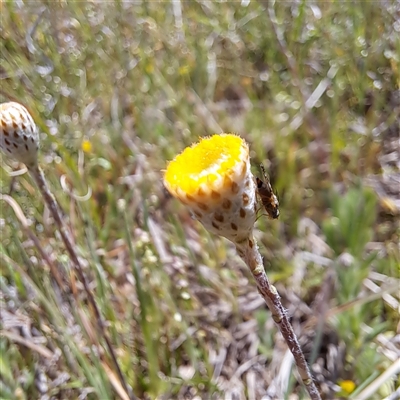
pixel 149 68
pixel 347 386
pixel 86 146
pixel 184 70
pixel 214 180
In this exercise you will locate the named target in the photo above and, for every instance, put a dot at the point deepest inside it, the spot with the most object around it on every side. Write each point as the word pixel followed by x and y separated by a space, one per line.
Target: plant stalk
pixel 38 175
pixel 250 254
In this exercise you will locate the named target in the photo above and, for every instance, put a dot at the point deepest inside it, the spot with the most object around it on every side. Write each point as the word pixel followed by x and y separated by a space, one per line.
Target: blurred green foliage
pixel 311 86
pixel 351 226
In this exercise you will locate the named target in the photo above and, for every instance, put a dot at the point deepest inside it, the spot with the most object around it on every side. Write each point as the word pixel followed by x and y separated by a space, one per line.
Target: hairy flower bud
pixel 213 178
pixel 18 133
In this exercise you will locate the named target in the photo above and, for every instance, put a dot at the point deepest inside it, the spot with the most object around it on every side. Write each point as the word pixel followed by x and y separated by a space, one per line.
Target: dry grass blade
pixel 115 381
pixel 43 351
pixel 370 390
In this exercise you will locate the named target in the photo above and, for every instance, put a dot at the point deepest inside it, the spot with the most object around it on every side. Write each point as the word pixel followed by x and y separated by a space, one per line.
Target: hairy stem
pixel 253 259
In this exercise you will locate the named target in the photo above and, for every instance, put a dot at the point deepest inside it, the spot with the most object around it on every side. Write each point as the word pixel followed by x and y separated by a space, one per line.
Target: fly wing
pixel 266 180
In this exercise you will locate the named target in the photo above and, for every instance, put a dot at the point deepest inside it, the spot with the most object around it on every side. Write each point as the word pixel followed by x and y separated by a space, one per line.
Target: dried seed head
pixel 18 133
pixel 214 180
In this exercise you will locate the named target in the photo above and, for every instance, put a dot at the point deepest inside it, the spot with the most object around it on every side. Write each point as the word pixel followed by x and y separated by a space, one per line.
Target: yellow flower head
pixel 86 146
pixel 214 180
pixel 347 386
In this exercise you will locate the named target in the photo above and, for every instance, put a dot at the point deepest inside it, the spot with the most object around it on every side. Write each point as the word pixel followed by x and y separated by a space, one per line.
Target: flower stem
pixel 252 257
pixel 38 175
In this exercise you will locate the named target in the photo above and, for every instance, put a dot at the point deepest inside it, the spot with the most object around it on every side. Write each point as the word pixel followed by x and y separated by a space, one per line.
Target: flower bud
pixel 18 133
pixel 213 178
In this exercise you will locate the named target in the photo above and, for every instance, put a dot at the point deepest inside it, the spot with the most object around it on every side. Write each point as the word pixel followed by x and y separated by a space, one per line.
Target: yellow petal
pixel 204 163
pixel 213 178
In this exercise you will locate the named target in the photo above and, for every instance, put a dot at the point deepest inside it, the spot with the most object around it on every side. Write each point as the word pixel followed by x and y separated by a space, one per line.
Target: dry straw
pixel 19 139
pixel 213 179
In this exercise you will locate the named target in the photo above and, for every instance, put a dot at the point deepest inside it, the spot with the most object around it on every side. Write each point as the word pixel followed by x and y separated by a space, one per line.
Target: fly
pixel 267 195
